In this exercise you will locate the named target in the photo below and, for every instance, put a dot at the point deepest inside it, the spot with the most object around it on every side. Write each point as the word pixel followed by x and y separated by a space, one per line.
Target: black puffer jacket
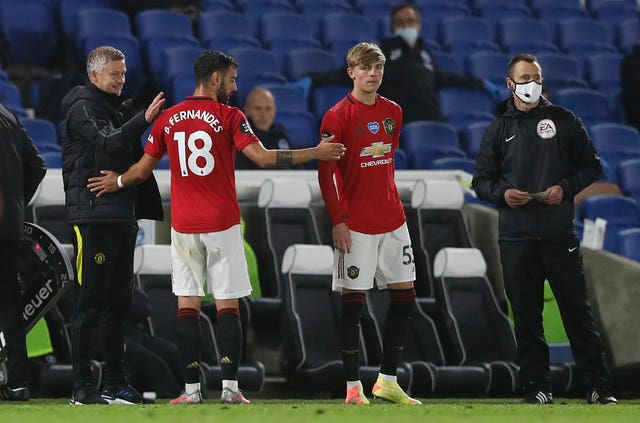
pixel 102 134
pixel 21 170
pixel 531 152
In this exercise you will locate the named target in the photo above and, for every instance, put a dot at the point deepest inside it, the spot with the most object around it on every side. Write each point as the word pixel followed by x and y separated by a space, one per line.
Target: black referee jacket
pixel 531 152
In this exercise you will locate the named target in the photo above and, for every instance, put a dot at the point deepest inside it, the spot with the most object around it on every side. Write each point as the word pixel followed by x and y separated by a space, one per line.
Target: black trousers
pixel 104 271
pixel 526 265
pixel 11 308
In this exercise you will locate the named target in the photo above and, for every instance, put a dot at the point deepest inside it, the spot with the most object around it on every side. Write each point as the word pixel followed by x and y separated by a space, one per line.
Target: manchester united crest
pixel 389 126
pixel 353 272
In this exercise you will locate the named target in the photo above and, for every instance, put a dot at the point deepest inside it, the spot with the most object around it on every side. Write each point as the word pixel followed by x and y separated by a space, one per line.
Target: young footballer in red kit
pixel 370 236
pixel 201 135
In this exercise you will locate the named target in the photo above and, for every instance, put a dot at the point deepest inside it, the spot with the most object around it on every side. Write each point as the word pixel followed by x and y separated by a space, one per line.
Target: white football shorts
pixel 216 258
pixel 387 258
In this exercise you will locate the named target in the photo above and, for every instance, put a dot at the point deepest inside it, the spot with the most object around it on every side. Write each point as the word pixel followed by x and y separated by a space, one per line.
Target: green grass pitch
pixel 279 411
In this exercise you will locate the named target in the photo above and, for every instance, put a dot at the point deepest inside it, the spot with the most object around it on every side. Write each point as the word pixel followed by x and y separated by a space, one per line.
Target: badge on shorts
pixel 389 126
pixel 353 272
pixel 100 258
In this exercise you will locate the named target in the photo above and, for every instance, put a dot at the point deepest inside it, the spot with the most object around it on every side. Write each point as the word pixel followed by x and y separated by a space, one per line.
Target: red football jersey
pixel 360 189
pixel 201 137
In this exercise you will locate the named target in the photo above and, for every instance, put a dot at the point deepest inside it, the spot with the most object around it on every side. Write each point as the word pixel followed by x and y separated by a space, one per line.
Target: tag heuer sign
pixel 44 272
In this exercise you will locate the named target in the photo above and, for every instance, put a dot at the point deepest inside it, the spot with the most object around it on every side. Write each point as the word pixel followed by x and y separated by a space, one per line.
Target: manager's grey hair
pixel 100 56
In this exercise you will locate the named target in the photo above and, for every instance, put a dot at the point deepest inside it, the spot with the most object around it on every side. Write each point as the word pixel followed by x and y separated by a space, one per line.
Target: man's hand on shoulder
pixel 328 150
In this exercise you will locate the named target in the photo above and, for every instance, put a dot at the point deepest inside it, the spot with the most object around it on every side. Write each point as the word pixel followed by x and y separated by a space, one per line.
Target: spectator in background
pixel 260 108
pixel 629 72
pixel 21 170
pixel 412 77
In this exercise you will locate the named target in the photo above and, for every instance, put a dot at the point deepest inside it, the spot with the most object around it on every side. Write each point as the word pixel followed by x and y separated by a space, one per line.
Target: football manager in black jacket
pixel 534 158
pixel 102 133
pixel 21 170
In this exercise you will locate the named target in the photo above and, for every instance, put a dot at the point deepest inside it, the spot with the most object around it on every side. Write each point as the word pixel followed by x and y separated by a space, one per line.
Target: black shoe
pixel 124 394
pixel 539 397
pixel 600 396
pixel 21 393
pixel 87 395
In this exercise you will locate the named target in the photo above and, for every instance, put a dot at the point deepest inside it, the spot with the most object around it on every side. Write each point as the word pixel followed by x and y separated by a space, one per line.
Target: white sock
pixel 231 384
pixel 352 383
pixel 388 378
pixel 191 388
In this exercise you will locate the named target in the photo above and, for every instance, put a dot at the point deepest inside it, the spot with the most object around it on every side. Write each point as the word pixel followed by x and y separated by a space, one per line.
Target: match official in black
pixel 534 158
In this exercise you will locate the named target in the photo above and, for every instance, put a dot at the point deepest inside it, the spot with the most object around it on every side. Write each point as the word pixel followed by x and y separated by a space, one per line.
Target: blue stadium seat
pixel 452 163
pixel 400 159
pixel 326 96
pixel 301 62
pixel 560 71
pixel 489 65
pixel 496 13
pixel 257 8
pixel 226 45
pixel 280 26
pixel 300 126
pixel 448 61
pixel 43 133
pixel 159 30
pixel 280 47
pixel 28 30
pixel 467 32
pixel 472 137
pixel 288 98
pixel 477 106
pixel 555 13
pixel 601 72
pixel 246 82
pixel 429 141
pixel 533 32
pixel 589 105
pixel 612 12
pixel 9 95
pixel 67 11
pixel 53 159
pixel 182 85
pixel 127 44
pixel 178 60
pixel 615 142
pixel 100 22
pixel 629 177
pixel 347 28
pixel 584 37
pixel 218 5
pixel 629 243
pixel 620 212
pixel 255 61
pixel 222 26
pixel 628 34
pixel 437 11
pixel 322 7
pixel 594 5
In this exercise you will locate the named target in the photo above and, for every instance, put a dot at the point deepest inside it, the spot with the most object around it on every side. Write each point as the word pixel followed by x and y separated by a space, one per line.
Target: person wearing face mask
pixel 412 76
pixel 533 159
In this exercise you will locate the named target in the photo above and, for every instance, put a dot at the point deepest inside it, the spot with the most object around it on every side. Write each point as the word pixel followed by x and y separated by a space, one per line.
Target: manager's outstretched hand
pixel 154 108
pixel 328 150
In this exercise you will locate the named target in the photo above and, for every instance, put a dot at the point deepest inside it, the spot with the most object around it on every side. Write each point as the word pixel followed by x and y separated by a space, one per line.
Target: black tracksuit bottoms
pixel 104 271
pixel 526 264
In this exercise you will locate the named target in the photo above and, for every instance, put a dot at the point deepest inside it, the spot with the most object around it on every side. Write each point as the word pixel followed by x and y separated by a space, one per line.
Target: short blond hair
pixel 364 53
pixel 100 56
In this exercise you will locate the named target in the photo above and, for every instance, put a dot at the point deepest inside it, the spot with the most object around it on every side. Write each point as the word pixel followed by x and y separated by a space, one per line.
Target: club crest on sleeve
pixel 389 126
pixel 373 127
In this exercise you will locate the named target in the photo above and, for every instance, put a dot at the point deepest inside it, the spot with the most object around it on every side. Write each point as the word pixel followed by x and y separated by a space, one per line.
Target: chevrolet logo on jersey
pixel 377 149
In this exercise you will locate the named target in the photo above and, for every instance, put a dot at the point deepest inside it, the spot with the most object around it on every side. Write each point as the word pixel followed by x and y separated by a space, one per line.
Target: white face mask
pixel 409 35
pixel 529 92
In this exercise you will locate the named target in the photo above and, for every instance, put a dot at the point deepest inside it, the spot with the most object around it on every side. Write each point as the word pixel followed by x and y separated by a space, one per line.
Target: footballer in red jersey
pixel 201 135
pixel 370 235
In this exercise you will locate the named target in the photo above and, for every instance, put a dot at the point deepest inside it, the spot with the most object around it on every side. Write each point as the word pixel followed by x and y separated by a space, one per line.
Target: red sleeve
pixel 156 146
pixel 240 129
pixel 332 189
